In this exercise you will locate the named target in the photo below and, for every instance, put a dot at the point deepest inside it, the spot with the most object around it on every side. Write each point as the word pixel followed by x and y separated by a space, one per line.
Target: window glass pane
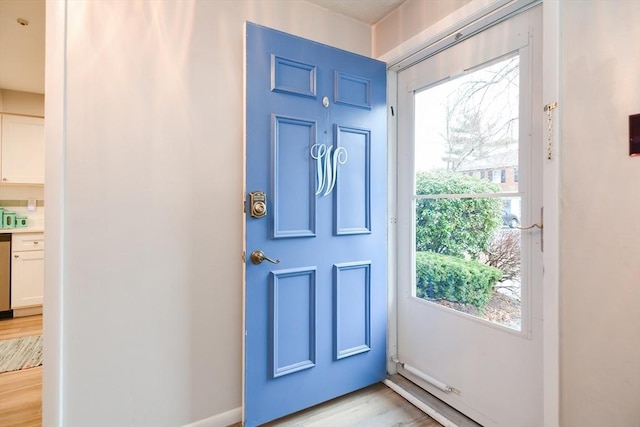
pixel 468 257
pixel 469 124
pixel 466 144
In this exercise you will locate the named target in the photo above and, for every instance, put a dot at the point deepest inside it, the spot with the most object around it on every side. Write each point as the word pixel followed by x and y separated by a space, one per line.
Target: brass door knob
pixel 258 256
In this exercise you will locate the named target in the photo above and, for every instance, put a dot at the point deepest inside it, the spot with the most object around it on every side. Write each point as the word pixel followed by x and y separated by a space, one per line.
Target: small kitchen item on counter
pixel 8 219
pixel 21 221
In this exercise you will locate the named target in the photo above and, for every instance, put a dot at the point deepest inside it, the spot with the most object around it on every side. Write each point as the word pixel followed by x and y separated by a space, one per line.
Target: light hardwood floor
pixel 374 406
pixel 21 391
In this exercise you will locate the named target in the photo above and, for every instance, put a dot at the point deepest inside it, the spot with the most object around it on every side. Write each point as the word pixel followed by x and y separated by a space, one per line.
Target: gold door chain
pixel 548 108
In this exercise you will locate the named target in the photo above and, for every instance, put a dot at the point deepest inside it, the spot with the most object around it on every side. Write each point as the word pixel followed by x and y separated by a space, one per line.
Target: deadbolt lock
pixel 258 204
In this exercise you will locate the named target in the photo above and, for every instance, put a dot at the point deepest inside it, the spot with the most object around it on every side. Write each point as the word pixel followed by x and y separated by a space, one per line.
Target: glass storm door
pixel 469 292
pixel 315 285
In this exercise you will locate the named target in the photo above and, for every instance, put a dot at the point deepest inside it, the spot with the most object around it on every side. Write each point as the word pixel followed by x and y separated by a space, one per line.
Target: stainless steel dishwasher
pixel 5 276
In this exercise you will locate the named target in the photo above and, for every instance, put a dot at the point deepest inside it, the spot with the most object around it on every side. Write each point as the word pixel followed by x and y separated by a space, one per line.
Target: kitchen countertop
pixel 22 230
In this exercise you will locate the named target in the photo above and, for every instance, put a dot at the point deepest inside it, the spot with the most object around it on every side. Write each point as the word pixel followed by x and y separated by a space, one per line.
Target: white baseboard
pixel 27 311
pixel 220 420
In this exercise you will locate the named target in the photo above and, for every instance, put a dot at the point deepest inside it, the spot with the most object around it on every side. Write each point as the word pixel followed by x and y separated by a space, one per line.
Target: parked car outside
pixel 510 220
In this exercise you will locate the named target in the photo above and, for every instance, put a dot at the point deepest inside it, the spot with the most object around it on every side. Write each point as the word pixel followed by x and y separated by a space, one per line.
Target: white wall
pixel 600 221
pixel 144 274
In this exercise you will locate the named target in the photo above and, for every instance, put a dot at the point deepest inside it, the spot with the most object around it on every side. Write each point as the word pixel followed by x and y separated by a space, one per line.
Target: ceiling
pixel 367 11
pixel 22 46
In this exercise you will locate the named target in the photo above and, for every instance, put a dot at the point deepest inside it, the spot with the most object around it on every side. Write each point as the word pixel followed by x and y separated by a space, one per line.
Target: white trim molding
pixel 220 420
pixel 551 201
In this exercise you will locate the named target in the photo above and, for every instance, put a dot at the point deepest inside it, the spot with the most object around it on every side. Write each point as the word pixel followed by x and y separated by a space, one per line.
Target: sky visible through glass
pixel 486 98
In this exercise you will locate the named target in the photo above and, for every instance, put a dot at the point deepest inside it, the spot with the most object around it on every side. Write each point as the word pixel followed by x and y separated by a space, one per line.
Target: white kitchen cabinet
pixel 22 150
pixel 27 269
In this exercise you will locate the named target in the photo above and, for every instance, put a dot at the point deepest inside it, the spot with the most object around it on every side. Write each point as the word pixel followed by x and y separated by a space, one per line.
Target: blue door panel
pixel 352 195
pixel 352 308
pixel 315 322
pixel 293 320
pixel 292 177
pixel 352 90
pixel 293 77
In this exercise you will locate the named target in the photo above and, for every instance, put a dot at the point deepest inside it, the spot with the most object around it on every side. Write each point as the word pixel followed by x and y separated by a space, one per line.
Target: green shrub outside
pixel 458 227
pixel 454 279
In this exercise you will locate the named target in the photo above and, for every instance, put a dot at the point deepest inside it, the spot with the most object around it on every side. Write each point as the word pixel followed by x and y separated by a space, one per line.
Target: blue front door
pixel 315 313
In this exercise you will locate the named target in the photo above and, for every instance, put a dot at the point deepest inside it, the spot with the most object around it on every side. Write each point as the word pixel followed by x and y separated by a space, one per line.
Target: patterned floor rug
pixel 20 353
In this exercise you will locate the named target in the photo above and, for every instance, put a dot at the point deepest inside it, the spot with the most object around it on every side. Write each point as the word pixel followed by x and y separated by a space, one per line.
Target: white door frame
pixel 468 20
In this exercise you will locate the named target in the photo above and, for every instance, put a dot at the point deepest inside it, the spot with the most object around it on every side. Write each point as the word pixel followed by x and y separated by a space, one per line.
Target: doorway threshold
pixel 428 403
